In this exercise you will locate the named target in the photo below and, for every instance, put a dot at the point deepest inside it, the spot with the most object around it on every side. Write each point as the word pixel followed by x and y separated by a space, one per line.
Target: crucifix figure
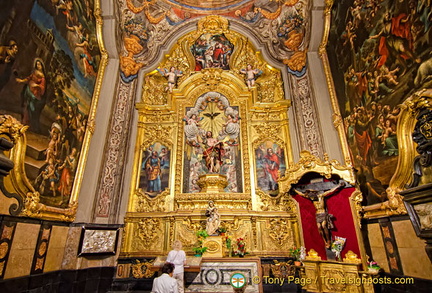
pixel 323 218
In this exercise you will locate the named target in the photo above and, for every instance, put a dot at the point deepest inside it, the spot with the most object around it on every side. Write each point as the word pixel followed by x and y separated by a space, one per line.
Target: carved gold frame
pixel 17 182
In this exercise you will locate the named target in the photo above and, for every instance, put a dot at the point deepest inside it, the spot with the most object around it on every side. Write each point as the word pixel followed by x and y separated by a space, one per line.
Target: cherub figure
pixel 251 75
pixel 171 76
pixel 192 129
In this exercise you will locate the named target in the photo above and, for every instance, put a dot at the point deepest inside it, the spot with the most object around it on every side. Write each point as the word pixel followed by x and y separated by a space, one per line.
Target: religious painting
pixel 212 51
pixel 379 54
pixel 212 137
pixel 270 164
pixel 98 241
pixel 49 58
pixel 154 172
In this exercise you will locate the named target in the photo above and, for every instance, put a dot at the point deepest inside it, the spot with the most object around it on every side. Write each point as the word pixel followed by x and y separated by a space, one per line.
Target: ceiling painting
pixel 282 27
pixel 209 6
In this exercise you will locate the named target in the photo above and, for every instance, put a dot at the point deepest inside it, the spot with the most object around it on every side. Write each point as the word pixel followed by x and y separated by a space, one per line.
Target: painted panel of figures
pixel 270 164
pixel 48 65
pixel 211 132
pixel 155 166
pixel 379 53
pixel 212 51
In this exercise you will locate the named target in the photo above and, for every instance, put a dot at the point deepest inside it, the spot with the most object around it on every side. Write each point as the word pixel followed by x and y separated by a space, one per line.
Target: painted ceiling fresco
pixel 282 26
pixel 209 6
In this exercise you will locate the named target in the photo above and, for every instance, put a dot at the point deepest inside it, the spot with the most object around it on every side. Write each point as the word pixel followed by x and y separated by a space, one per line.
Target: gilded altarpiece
pixel 182 110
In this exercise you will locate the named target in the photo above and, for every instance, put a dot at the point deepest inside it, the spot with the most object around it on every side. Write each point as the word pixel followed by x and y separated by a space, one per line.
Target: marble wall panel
pixel 377 246
pixel 415 261
pixel 56 248
pixel 22 250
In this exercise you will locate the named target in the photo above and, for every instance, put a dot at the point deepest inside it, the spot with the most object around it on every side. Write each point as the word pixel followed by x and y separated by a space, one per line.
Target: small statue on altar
pixel 213 218
pixel 302 253
pixel 323 218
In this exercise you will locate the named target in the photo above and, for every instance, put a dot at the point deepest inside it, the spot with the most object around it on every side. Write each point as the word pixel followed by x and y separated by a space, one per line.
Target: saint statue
pixel 323 218
pixel 213 219
pixel 213 153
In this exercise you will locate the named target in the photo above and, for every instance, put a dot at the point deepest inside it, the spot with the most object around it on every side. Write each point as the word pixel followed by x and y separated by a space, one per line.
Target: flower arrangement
pixel 201 234
pixel 222 230
pixel 241 247
pixel 228 242
pixel 373 266
pixel 295 252
pixel 337 246
pixel 199 249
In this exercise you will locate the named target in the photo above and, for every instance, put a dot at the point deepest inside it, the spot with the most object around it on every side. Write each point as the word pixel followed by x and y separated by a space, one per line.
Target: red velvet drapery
pixel 339 206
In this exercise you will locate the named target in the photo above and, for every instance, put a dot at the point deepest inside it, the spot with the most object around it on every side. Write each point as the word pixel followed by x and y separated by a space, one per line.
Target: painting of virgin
pixel 212 51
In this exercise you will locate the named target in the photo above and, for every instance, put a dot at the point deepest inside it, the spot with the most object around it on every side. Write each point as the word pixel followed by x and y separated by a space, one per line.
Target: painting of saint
pixel 154 169
pixel 212 51
pixel 270 164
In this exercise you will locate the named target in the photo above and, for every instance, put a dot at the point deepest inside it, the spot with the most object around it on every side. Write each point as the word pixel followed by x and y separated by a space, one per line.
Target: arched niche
pixel 343 201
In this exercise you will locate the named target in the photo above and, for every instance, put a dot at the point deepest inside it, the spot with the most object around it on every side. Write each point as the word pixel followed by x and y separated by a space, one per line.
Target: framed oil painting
pixel 379 55
pixel 270 165
pixel 212 51
pixel 49 65
pixel 154 169
pixel 98 241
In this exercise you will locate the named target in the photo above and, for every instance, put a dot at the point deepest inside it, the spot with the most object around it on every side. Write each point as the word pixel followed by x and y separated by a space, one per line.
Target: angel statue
pixel 251 75
pixel 192 129
pixel 171 76
pixel 230 128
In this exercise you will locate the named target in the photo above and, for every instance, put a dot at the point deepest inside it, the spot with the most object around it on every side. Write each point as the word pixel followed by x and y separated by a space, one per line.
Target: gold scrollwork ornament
pixel 141 270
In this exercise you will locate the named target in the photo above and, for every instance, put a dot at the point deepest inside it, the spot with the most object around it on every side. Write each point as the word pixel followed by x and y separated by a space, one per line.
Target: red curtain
pixel 339 206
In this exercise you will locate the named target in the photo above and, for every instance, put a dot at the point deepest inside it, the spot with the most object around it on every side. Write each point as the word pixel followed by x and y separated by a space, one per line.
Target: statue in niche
pixel 213 218
pixel 323 218
pixel 213 152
